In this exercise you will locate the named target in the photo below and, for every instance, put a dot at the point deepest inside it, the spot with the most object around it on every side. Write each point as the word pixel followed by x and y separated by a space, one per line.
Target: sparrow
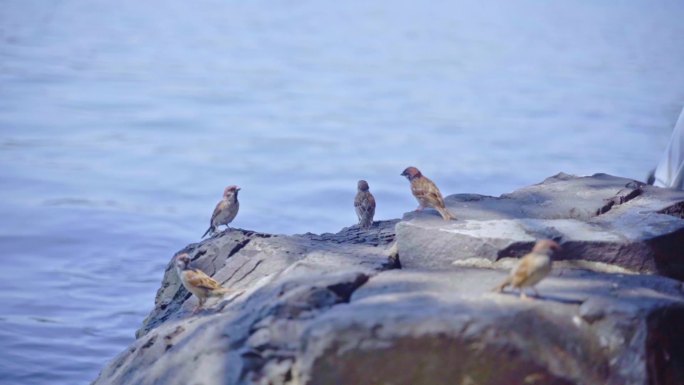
pixel 426 192
pixel 531 268
pixel 225 210
pixel 364 203
pixel 197 282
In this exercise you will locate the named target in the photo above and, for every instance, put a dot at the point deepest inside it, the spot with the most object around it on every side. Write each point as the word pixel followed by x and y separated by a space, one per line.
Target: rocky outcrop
pixel 250 336
pixel 601 218
pixel 412 327
pixel 334 309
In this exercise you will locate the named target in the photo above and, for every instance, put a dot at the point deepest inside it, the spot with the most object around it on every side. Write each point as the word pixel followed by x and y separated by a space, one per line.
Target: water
pixel 122 122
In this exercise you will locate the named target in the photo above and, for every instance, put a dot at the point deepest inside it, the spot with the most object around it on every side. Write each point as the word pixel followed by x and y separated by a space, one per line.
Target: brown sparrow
pixel 531 268
pixel 225 210
pixel 364 203
pixel 197 282
pixel 426 192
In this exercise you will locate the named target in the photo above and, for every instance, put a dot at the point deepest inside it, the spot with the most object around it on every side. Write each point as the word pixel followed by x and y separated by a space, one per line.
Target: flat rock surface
pixel 334 309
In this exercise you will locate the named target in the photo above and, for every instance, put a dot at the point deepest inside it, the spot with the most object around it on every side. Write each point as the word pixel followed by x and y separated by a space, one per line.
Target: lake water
pixel 122 121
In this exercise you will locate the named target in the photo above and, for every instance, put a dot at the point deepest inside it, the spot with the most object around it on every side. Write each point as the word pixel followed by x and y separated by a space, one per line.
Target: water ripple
pixel 122 122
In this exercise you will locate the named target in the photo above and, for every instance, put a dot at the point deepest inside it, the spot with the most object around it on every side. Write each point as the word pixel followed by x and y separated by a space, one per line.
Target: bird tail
pixel 445 213
pixel 503 285
pixel 221 291
pixel 209 230
pixel 366 223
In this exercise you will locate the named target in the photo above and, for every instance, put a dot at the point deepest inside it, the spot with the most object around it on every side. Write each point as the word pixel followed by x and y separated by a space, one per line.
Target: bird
pixel 197 282
pixel 225 210
pixel 531 268
pixel 426 192
pixel 364 203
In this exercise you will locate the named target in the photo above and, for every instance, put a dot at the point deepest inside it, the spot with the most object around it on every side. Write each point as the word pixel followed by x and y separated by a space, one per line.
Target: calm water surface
pixel 121 123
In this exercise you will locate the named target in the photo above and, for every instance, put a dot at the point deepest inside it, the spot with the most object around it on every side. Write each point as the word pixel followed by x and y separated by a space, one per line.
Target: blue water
pixel 122 121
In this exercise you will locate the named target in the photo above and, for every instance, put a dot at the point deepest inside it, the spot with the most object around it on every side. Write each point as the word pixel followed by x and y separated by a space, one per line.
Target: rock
pixel 599 218
pixel 339 309
pixel 253 336
pixel 416 327
pixel 240 258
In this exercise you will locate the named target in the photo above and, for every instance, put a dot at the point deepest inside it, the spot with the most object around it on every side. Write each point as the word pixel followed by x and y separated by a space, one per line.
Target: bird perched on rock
pixel 364 203
pixel 426 192
pixel 225 210
pixel 531 268
pixel 197 282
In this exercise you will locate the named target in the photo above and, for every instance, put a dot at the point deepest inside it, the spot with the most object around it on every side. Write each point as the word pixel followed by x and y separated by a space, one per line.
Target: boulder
pixel 249 337
pixel 440 327
pixel 343 309
pixel 600 218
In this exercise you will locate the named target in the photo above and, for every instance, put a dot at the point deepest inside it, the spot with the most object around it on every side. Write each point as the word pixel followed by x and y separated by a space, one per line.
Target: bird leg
pixel 522 294
pixel 199 306
pixel 536 293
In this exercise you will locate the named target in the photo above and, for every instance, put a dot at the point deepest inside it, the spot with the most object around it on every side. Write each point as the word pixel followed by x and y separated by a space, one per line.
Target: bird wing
pixel 370 205
pixel 364 203
pixel 199 279
pixel 358 205
pixel 358 199
pixel 523 270
pixel 222 205
pixel 424 188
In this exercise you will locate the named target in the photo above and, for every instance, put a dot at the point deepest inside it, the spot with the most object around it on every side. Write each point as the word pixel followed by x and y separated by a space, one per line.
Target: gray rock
pixel 250 337
pixel 599 218
pixel 240 258
pixel 334 309
pixel 436 327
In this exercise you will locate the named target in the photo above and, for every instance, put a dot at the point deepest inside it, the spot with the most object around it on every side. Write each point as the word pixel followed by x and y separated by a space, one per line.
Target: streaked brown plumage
pixel 426 192
pixel 197 282
pixel 364 203
pixel 226 210
pixel 531 268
